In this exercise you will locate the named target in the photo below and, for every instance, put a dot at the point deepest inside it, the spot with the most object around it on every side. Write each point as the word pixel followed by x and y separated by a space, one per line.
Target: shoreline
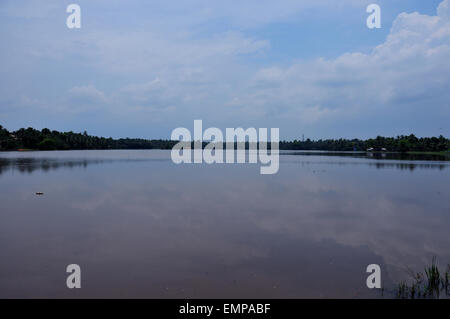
pixel 447 153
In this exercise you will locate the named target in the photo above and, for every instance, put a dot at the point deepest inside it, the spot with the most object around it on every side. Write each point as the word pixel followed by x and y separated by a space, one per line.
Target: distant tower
pixel 303 137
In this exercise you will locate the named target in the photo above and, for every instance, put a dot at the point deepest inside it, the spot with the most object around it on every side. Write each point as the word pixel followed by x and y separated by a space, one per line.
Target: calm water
pixel 141 226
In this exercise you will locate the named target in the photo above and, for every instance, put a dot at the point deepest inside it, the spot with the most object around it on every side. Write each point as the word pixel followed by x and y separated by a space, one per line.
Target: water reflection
pixel 29 165
pixel 28 162
pixel 378 156
pixel 10 162
pixel 411 166
pixel 140 226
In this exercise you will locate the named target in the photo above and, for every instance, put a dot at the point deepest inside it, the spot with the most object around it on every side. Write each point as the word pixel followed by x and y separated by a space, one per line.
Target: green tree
pixel 403 146
pixel 48 144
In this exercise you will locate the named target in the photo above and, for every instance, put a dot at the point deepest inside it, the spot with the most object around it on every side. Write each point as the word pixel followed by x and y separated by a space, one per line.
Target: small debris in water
pixel 39 193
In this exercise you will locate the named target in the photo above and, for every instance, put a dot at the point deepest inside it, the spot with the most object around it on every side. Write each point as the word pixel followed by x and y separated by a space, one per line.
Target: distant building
pixel 377 149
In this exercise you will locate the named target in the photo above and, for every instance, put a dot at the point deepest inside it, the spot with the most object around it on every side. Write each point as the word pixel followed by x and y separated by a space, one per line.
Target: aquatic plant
pixel 429 284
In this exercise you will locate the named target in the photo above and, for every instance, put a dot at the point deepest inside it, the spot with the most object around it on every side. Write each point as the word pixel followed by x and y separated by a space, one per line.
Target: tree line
pixel 53 140
pixel 46 139
pixel 401 143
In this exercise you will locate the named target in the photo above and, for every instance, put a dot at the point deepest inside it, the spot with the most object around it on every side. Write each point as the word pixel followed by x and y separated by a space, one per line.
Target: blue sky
pixel 143 68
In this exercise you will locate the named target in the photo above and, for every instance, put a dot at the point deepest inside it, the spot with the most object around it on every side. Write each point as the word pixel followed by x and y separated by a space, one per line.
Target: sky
pixel 143 68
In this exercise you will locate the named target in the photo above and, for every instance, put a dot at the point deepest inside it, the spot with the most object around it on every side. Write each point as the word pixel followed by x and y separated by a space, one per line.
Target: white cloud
pixel 409 72
pixel 88 95
pixel 147 51
pixel 157 66
pixel 443 9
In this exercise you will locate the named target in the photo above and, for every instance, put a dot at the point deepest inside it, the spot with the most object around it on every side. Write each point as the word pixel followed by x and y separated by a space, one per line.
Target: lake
pixel 140 226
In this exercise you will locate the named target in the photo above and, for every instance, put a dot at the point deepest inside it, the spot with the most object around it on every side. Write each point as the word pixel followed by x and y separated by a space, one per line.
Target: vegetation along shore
pixel 45 139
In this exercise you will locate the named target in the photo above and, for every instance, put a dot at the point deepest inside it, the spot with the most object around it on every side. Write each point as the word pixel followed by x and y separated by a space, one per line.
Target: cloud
pixel 443 10
pixel 408 73
pixel 30 9
pixel 86 98
pixel 141 52
pixel 204 60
